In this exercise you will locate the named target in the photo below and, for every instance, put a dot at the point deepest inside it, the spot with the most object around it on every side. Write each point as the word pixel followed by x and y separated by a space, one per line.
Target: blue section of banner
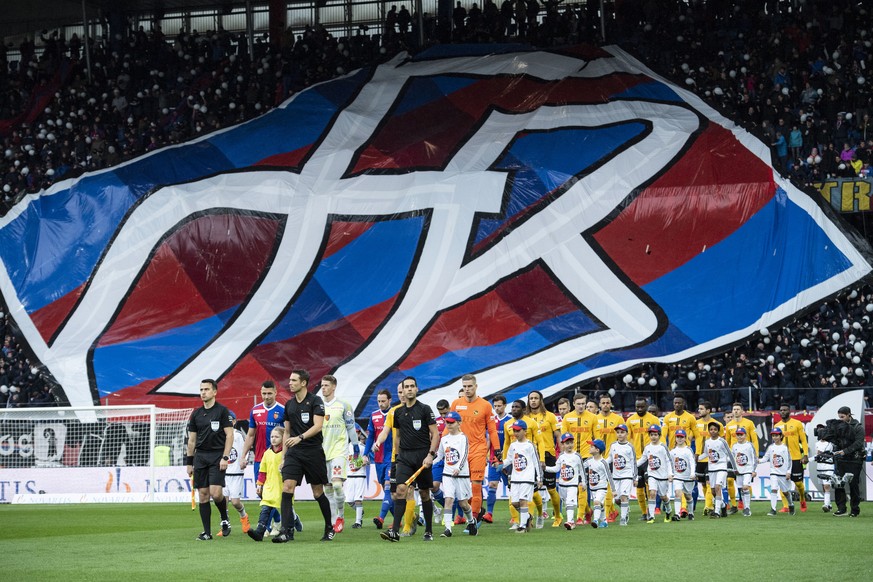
pixel 544 161
pixel 652 91
pixel 128 364
pixel 775 255
pixel 364 273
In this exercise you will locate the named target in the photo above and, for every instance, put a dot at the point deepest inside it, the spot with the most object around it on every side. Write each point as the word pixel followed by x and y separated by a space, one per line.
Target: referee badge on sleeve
pixel 416 424
pixel 215 424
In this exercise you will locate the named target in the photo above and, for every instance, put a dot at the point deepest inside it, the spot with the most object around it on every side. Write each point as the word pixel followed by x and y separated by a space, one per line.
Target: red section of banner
pixel 710 192
pixel 512 308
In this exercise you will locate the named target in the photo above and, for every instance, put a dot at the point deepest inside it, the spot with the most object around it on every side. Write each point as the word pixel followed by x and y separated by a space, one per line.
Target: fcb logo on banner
pixel 537 218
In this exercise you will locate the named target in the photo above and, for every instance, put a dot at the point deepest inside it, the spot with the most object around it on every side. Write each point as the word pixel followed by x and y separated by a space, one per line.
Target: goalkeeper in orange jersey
pixel 477 422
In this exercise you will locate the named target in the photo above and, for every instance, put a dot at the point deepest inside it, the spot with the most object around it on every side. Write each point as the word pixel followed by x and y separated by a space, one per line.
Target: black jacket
pixel 855 449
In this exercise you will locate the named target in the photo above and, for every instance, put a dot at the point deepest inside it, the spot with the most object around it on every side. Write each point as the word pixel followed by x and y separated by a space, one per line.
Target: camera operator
pixel 849 459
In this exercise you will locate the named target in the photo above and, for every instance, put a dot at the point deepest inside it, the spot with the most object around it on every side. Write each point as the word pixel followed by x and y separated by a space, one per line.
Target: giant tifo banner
pixel 537 218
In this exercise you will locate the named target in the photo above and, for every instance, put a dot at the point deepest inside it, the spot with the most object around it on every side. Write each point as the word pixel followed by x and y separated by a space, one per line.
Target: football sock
pixel 222 508
pixel 651 509
pixel 287 509
pixel 206 516
pixel 427 506
pixel 324 505
pixel 476 502
pixel 642 499
pixel 492 499
pixel 399 512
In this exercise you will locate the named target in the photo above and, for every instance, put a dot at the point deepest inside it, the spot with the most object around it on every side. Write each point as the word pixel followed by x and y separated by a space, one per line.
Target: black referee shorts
pixel 642 477
pixel 408 462
pixel 308 464
pixel 207 469
pixel 701 471
pixel 796 471
pixel 550 479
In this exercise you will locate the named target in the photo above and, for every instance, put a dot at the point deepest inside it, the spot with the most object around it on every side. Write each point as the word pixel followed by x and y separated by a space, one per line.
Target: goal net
pixel 94 454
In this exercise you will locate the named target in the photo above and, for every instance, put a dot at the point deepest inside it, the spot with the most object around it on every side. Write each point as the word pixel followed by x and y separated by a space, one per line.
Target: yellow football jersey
pixel 731 433
pixel 606 427
pixel 638 430
pixel 794 437
pixel 583 427
pixel 673 422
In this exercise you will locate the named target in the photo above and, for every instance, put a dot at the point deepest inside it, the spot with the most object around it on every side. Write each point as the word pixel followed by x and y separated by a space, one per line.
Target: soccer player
pixel 477 422
pixel 210 438
pixel 704 417
pixel 263 418
pixel 607 420
pixel 737 421
pixel 381 459
pixel 269 483
pixel 582 424
pixel 720 460
pixel 495 476
pixel 563 409
pixel 518 412
pixel 779 457
pixel 656 459
pixel 525 476
pixel 684 479
pixel 304 455
pixel 795 439
pixel 234 476
pixel 569 473
pixel 680 419
pixel 599 481
pixel 417 442
pixel 638 423
pixel 356 481
pixel 453 451
pixel 746 456
pixel 623 459
pixel 548 426
pixel 338 432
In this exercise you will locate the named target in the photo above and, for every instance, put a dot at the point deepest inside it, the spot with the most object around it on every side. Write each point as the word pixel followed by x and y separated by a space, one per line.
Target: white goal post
pixel 93 454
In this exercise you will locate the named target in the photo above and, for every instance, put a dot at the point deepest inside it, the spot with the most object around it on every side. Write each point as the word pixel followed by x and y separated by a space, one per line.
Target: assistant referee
pixel 418 441
pixel 304 455
pixel 210 438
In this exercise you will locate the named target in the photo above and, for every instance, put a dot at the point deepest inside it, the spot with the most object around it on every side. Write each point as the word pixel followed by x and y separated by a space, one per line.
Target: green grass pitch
pixel 156 542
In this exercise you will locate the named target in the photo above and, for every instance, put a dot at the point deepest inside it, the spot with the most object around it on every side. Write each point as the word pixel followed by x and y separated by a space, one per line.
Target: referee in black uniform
pixel 210 428
pixel 418 440
pixel 304 456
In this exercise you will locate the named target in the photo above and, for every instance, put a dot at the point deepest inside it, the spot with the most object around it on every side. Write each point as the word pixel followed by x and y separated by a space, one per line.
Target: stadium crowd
pixel 795 74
